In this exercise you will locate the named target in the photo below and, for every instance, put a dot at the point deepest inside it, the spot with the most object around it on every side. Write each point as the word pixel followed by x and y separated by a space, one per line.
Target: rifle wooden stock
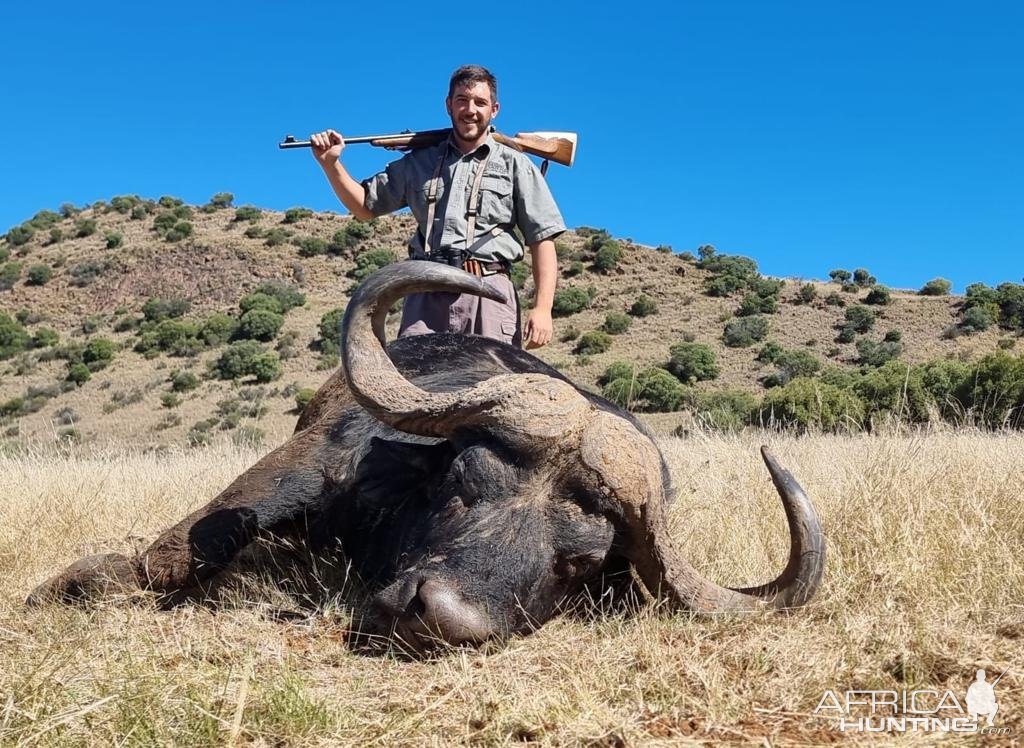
pixel 559 147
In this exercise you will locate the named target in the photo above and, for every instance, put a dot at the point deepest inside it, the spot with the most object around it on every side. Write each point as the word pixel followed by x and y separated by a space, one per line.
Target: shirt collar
pixel 481 151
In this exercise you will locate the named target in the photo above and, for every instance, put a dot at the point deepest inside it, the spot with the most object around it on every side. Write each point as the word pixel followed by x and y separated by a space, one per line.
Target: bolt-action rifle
pixel 559 147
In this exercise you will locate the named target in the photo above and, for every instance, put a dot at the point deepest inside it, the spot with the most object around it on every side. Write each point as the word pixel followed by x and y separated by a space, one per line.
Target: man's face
pixel 471 107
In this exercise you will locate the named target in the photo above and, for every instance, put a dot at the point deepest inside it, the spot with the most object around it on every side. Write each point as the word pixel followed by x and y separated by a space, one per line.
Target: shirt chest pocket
pixel 495 200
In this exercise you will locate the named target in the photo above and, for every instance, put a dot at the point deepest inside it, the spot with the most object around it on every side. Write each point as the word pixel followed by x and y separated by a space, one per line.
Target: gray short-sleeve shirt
pixel 513 195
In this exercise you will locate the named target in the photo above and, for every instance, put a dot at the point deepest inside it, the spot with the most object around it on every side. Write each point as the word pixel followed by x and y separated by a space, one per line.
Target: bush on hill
pixel 38 275
pixel 692 362
pixel 571 300
pixel 936 287
pixel 745 331
pixel 644 306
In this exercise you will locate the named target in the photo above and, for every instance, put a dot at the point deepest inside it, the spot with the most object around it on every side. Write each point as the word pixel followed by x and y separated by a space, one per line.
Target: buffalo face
pixel 506 542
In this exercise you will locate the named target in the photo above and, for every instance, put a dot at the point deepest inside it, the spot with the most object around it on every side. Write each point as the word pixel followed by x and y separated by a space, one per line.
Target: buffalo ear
pixel 394 469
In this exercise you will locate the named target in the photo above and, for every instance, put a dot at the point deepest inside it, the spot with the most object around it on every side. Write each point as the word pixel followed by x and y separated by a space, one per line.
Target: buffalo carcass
pixel 472 486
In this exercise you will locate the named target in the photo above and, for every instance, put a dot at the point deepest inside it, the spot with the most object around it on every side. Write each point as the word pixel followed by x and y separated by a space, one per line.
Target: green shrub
pixel 114 239
pixel 5 254
pixel 98 352
pixel 170 399
pixel 177 337
pixel 872 353
pixel 183 381
pixel 618 370
pixel 569 301
pixel 805 404
pixel 68 210
pixel 169 201
pixel 840 276
pixel 878 295
pixel 255 232
pixel 692 362
pixel 248 213
pixel 725 410
pixel 518 275
pixel 370 262
pixel 807 294
pixel 303 398
pixel 791 365
pixel 222 200
pixel 14 338
pixel 259 300
pixel 770 352
pixel 39 275
pixel 993 391
pixel 20 235
pixel 155 310
pixel 139 212
pixel 860 318
pixel 660 391
pixel 834 299
pixel 976 319
pixel 85 227
pixel 893 336
pixel 863 278
pixel 79 374
pixel 644 306
pixel 180 230
pixel 124 204
pixel 729 273
pixel 56 236
pixel 259 324
pixel 10 273
pixel 745 331
pixel 287 295
pixel 84 273
pixel 896 389
pixel 846 335
pixel 595 341
pixel 936 287
pixel 294 215
pixel 247 358
pixel 752 304
pixel 616 323
pixel 330 324
pixel 311 246
pixel 607 256
pixel 359 230
pixel 217 329
pixel 45 337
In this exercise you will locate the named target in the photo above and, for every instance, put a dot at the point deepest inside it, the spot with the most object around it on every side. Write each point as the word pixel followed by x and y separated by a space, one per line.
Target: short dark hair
pixel 473 74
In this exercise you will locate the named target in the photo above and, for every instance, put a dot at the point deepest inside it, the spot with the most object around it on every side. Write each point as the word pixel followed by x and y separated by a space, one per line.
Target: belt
pixel 481 269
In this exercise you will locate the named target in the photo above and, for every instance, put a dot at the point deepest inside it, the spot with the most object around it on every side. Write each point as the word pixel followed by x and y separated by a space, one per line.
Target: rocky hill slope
pixel 168 284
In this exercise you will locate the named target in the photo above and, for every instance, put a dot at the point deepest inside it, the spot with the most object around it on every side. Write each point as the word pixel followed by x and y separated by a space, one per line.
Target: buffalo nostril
pixel 448 616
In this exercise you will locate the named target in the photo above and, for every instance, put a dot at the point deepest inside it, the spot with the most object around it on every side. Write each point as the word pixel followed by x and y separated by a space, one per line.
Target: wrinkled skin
pixel 471 485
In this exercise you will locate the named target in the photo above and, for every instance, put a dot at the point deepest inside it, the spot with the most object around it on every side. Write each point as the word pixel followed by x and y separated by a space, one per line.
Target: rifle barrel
pixel 291 142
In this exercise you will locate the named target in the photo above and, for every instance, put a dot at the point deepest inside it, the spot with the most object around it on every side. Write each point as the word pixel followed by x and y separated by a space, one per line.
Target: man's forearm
pixel 545 274
pixel 349 191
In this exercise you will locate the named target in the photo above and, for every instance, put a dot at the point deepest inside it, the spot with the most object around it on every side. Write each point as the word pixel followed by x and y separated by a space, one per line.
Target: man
pixel 467 194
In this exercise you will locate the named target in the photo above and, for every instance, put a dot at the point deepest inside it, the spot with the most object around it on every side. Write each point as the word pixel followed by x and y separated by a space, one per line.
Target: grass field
pixel 924 585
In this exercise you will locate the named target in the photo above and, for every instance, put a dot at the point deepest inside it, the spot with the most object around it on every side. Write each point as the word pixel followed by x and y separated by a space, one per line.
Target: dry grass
pixel 924 585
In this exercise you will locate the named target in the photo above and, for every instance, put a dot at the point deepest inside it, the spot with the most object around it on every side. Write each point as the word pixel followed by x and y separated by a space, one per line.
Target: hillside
pixel 106 261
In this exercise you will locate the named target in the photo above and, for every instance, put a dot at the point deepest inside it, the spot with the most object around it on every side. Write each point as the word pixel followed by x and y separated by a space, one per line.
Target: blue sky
pixel 807 135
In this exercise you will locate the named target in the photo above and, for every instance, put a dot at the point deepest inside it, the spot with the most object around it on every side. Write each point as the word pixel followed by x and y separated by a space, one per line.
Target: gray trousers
pixel 468 314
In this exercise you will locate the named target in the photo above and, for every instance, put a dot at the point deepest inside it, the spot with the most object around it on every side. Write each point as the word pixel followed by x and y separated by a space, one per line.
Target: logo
pixel 922 710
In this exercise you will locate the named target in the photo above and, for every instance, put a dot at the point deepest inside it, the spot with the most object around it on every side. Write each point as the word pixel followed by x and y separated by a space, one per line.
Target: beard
pixel 471 130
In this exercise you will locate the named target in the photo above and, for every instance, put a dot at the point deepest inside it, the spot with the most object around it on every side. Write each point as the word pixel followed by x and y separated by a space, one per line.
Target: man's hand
pixel 538 329
pixel 327 147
